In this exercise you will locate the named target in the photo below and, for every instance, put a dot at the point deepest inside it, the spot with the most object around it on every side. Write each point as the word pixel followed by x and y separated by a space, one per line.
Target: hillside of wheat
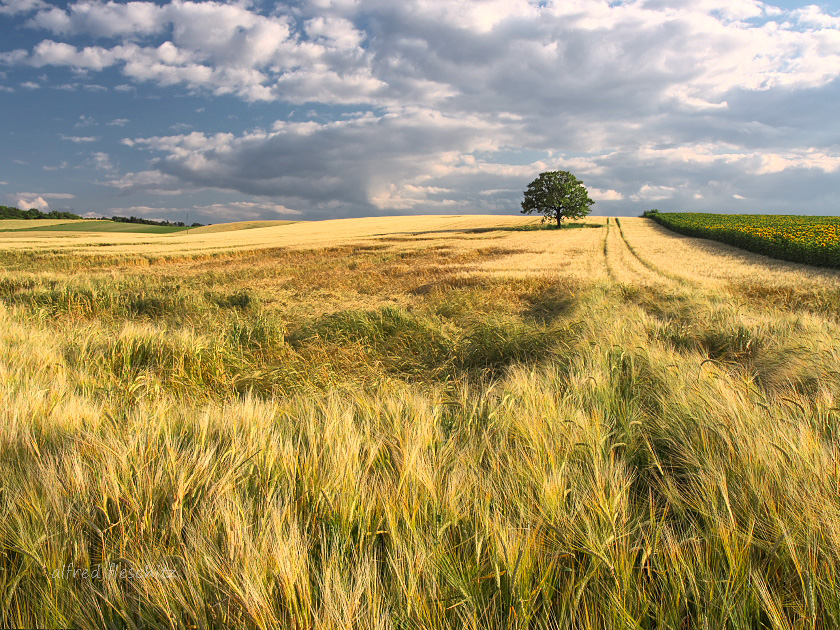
pixel 416 422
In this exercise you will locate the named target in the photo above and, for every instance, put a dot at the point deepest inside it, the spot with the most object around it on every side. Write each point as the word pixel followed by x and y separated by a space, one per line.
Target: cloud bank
pixel 447 106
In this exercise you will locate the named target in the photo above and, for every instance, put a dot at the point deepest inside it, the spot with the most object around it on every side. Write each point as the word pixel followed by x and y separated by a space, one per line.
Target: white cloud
pixel 755 162
pixel 224 48
pixel 64 164
pixel 149 182
pixel 79 139
pixel 394 197
pixel 696 101
pixel 48 195
pixel 51 53
pixel 810 159
pixel 814 17
pixel 101 161
pixel 27 200
pixel 334 32
pixel 691 54
pixel 392 158
pixel 14 7
pixel 605 195
pixel 232 210
pixel 27 203
pixel 649 192
pixel 102 19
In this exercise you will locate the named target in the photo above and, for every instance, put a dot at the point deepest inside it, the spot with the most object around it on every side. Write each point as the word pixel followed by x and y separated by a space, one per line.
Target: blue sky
pixel 320 109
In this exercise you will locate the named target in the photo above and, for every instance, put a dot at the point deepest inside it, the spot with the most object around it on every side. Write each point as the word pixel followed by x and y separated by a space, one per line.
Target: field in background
pixel 28 224
pixel 810 240
pixel 38 248
pixel 42 225
pixel 238 225
pixel 418 422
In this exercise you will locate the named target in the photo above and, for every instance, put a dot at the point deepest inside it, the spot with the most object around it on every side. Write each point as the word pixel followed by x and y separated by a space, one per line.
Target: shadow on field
pixel 417 346
pixel 502 228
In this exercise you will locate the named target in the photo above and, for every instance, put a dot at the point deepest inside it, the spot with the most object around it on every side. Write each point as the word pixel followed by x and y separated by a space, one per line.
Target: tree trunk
pixel 559 218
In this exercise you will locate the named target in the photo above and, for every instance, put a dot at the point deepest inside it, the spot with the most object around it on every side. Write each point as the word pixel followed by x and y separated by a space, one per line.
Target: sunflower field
pixel 803 239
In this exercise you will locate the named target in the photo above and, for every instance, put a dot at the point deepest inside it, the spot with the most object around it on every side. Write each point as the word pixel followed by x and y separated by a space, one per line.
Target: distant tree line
pixel 152 222
pixel 7 212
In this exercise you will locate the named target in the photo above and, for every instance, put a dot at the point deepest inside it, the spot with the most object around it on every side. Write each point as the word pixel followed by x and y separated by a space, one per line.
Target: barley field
pixel 417 422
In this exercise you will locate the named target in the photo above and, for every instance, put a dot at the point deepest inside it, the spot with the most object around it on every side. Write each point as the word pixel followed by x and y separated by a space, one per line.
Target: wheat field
pixel 416 422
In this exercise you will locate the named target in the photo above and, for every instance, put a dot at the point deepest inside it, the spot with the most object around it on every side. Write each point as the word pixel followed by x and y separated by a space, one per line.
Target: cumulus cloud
pixel 224 48
pixel 37 202
pixel 605 195
pixel 28 200
pixel 101 161
pixel 14 7
pixel 358 161
pixel 101 19
pixel 648 101
pixel 374 51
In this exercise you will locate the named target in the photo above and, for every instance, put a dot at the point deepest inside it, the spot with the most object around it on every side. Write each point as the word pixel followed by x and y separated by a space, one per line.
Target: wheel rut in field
pixel 663 276
pixel 626 266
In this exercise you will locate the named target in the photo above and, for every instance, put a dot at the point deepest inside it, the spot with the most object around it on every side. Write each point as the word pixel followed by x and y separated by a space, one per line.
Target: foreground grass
pixel 366 437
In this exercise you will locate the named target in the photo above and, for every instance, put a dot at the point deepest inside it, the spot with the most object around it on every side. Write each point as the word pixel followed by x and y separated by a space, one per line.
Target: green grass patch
pixel 101 226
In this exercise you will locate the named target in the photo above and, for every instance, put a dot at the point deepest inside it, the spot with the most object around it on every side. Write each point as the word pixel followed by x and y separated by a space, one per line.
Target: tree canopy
pixel 7 212
pixel 557 195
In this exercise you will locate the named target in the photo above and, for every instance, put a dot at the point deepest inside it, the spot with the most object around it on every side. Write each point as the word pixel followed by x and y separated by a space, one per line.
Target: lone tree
pixel 557 195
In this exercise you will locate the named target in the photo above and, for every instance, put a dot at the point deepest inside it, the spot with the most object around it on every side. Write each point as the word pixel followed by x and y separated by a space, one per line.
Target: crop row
pixel 803 239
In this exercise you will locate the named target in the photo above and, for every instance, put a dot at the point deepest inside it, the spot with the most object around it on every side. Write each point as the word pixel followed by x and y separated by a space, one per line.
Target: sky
pixel 319 109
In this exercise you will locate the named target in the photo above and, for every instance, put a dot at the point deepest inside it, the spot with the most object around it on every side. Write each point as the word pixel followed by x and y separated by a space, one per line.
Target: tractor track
pixel 672 277
pixel 625 266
